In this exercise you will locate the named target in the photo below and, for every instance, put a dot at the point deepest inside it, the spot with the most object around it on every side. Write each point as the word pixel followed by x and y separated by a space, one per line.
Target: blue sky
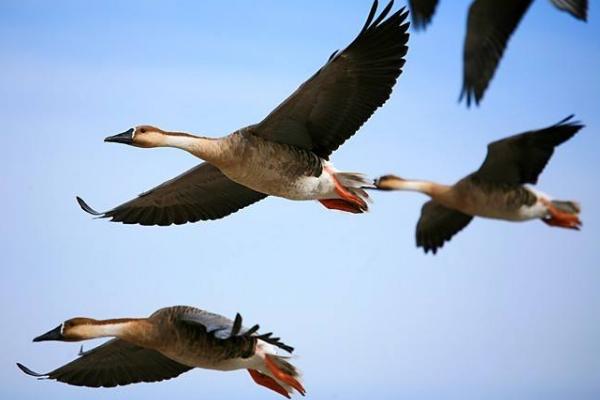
pixel 505 311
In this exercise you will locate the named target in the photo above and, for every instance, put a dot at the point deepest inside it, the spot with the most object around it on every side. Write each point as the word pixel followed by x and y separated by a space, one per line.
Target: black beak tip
pixel 54 334
pixel 124 137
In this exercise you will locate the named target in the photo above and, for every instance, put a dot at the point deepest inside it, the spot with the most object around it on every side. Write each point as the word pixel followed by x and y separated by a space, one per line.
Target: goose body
pixel 276 169
pixel 475 197
pixel 490 25
pixel 286 154
pixel 171 341
pixel 499 189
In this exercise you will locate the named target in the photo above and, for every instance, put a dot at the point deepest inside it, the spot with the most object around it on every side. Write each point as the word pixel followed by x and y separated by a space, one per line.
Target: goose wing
pixel 335 102
pixel 202 193
pixel 225 329
pixel 521 158
pixel 489 27
pixel 421 12
pixel 437 225
pixel 114 363
pixel 577 8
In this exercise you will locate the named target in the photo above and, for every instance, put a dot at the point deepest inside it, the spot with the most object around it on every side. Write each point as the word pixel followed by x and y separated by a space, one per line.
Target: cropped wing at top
pixel 421 12
pixel 489 26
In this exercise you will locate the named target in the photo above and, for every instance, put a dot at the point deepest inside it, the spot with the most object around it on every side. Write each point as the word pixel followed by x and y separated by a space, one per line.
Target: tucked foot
pixel 561 218
pixel 268 382
pixel 349 187
pixel 282 375
pixel 342 205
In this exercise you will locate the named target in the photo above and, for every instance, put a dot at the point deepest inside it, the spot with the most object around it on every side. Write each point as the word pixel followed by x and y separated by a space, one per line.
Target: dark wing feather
pixel 202 193
pixel 489 27
pixel 215 324
pixel 422 12
pixel 577 8
pixel 335 102
pixel 114 363
pixel 521 158
pixel 437 225
pixel 226 329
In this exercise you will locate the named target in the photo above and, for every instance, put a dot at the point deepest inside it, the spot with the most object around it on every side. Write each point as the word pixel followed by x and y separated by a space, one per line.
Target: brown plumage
pixel 285 154
pixel 199 194
pixel 171 341
pixel 495 190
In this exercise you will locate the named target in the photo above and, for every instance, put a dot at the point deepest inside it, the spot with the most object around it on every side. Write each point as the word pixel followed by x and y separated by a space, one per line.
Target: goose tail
pixel 570 207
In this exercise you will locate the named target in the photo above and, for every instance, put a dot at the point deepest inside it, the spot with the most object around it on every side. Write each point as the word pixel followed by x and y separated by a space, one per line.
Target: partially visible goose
pixel 286 154
pixel 495 190
pixel 489 27
pixel 171 341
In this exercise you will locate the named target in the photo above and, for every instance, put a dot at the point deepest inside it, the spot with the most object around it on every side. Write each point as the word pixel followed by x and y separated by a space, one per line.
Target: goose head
pixel 141 136
pixel 388 182
pixel 70 331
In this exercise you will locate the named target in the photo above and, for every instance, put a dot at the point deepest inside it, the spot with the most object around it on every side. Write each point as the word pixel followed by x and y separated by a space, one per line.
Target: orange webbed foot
pixel 342 205
pixel 268 382
pixel 562 219
pixel 282 376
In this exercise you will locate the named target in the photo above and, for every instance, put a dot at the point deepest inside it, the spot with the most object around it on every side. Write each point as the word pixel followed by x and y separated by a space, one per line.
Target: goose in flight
pixel 490 25
pixel 173 340
pixel 286 154
pixel 496 190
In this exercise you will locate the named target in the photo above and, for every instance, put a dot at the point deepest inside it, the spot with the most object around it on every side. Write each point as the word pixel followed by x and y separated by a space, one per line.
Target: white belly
pixel 523 213
pixel 274 183
pixel 538 210
pixel 255 362
pixel 223 365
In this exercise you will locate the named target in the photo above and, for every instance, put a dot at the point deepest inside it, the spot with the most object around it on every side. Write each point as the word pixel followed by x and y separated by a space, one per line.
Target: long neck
pixel 122 328
pixel 431 189
pixel 205 148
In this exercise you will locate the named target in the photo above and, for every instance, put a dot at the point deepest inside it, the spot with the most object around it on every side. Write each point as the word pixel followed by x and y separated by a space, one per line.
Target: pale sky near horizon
pixel 504 311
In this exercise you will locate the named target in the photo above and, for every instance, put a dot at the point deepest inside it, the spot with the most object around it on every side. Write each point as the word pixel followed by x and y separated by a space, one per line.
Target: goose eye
pixel 143 130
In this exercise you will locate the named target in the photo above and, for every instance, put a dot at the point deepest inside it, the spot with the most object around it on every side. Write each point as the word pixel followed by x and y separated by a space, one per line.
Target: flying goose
pixel 171 341
pixel 489 27
pixel 496 190
pixel 286 154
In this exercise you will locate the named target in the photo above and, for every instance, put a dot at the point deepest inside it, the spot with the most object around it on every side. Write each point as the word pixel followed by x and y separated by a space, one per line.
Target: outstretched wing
pixel 202 193
pixel 335 102
pixel 114 363
pixel 490 24
pixel 521 158
pixel 577 8
pixel 437 225
pixel 226 329
pixel 421 12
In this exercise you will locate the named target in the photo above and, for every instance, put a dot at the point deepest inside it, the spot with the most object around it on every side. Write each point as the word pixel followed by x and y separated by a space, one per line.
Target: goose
pixel 490 25
pixel 496 190
pixel 173 340
pixel 287 153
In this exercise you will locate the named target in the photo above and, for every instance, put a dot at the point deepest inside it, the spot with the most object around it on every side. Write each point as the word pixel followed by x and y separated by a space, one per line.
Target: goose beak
pixel 125 137
pixel 54 334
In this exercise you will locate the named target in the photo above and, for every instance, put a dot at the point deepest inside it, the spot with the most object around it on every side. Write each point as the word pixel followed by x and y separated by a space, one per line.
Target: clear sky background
pixel 504 311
